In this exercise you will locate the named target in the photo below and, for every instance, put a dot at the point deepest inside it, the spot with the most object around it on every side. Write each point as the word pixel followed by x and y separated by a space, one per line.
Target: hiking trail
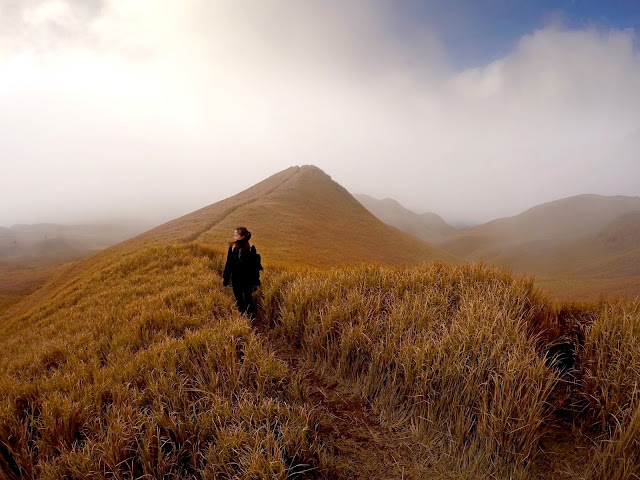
pixel 349 429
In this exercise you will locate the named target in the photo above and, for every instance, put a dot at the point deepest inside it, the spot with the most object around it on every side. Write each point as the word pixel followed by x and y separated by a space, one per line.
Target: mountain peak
pixel 300 214
pixel 311 169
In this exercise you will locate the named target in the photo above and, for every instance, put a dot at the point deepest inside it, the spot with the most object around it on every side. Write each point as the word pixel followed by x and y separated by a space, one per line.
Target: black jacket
pixel 243 267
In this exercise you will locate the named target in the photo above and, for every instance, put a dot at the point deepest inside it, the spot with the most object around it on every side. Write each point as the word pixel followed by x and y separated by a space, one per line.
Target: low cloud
pixel 142 108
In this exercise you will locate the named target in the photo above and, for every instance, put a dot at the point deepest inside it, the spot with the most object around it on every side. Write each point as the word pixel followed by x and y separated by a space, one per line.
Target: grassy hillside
pixel 607 253
pixel 21 277
pixel 298 216
pixel 623 233
pixel 134 362
pixel 302 216
pixel 589 289
pixel 30 255
pixel 141 366
pixel 568 218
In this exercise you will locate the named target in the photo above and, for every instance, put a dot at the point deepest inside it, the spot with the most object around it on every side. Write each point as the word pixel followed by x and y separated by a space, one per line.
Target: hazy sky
pixel 470 109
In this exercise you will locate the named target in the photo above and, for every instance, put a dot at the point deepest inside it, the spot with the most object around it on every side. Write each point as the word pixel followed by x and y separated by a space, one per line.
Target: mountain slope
pixel 562 220
pixel 143 368
pixel 428 226
pixel 297 216
pixel 609 253
pixel 582 245
pixel 623 233
pixel 136 364
pixel 301 215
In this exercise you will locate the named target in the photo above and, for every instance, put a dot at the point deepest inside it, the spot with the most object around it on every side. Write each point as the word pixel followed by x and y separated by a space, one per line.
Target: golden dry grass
pixel 140 366
pixel 133 363
pixel 144 368
pixel 609 396
pixel 443 352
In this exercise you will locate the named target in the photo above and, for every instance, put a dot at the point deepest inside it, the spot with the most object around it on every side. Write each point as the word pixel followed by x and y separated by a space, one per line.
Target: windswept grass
pixel 444 352
pixel 140 366
pixel 610 391
pixel 145 369
pixel 476 364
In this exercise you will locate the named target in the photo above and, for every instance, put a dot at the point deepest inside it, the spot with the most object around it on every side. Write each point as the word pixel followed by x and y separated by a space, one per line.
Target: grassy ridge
pixel 443 352
pixel 144 368
pixel 139 365
pixel 310 219
pixel 468 360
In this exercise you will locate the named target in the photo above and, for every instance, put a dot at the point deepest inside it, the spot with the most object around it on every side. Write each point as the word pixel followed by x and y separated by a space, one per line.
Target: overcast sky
pixel 470 109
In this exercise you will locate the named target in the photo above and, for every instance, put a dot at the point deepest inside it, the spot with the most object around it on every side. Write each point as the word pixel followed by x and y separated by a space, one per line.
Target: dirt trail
pixel 350 431
pixel 194 236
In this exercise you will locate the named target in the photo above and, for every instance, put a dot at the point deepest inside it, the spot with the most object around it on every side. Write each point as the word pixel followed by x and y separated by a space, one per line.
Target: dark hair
pixel 244 241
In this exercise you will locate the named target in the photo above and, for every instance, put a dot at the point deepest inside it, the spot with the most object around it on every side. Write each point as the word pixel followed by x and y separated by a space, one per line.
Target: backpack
pixel 251 264
pixel 256 265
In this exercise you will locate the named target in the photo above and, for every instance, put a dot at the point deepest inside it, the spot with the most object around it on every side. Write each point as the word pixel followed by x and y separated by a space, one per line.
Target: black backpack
pixel 257 265
pixel 251 264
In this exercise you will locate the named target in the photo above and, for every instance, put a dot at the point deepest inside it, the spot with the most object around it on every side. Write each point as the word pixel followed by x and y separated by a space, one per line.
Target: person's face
pixel 236 235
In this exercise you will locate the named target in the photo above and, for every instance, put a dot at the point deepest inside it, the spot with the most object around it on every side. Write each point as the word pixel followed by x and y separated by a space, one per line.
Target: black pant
pixel 244 299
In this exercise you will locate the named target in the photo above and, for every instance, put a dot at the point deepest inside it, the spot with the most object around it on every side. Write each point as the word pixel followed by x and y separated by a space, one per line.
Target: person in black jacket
pixel 242 270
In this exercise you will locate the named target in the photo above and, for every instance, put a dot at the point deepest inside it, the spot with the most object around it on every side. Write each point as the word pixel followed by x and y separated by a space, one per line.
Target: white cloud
pixel 126 105
pixel 55 11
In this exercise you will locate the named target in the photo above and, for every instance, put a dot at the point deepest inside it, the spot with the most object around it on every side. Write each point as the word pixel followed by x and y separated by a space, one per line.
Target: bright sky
pixel 470 109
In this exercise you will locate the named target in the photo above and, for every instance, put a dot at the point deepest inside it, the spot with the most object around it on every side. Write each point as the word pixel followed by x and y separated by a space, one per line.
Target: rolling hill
pixel 298 216
pixel 430 227
pixel 134 362
pixel 579 247
pixel 564 220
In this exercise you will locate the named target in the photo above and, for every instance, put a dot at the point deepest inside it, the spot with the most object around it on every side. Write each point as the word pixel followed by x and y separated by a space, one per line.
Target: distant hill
pixel 565 219
pixel 32 254
pixel 579 238
pixel 430 227
pixel 623 233
pixel 71 240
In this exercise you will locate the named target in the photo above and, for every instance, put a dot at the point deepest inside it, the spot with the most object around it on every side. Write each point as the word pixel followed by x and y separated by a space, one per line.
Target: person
pixel 242 270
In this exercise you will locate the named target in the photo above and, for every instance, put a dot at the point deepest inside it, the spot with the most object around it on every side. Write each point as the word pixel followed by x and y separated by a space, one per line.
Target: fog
pixel 152 109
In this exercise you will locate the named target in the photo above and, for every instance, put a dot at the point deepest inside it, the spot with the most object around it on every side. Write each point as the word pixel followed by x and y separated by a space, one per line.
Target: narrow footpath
pixel 349 430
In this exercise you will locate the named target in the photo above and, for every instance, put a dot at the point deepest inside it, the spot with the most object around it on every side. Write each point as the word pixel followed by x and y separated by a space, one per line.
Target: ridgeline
pixel 370 358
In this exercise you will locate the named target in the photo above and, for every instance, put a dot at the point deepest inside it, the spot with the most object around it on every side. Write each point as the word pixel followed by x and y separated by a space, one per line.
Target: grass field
pixel 136 364
pixel 22 276
pixel 144 368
